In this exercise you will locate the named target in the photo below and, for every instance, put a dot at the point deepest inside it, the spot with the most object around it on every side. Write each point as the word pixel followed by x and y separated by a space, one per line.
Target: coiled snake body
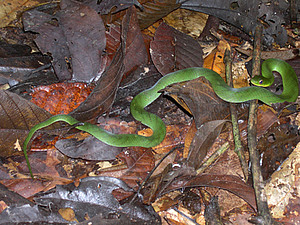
pixel 143 99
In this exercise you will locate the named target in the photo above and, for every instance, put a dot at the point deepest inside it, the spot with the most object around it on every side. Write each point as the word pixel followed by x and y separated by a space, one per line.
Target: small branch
pixel 213 158
pixel 258 184
pixel 238 149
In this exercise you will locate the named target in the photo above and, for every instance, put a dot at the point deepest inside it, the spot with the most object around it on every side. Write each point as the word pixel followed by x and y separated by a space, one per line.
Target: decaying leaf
pixel 230 183
pixel 245 15
pixel 18 116
pixel 139 161
pixel 75 37
pixel 173 50
pixel 203 140
pixel 93 197
pixel 155 10
pixel 201 100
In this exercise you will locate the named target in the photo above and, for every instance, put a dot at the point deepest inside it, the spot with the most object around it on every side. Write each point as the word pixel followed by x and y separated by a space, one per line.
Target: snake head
pixel 261 81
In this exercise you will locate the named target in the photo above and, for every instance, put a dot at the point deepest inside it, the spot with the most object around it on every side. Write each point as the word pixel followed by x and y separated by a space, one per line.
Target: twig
pixel 258 185
pixel 238 149
pixel 213 158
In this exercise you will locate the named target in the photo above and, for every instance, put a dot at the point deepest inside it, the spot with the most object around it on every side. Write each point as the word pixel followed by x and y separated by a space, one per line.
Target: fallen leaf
pixel 155 10
pixel 18 116
pixel 230 183
pixel 204 138
pixel 173 50
pixel 75 37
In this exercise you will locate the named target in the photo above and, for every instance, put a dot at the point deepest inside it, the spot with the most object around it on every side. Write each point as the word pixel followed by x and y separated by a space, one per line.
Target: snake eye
pixel 261 82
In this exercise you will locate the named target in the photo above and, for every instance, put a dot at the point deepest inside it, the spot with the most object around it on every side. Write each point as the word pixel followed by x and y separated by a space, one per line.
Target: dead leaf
pixel 135 50
pixel 204 138
pixel 230 183
pixel 139 161
pixel 200 99
pixel 155 10
pixel 103 95
pixel 75 37
pixel 173 50
pixel 18 116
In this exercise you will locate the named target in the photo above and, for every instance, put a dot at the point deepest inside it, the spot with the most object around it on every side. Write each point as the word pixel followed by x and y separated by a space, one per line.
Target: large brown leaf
pixel 136 53
pixel 18 116
pixel 75 37
pixel 173 50
pixel 132 46
pixel 103 95
pixel 230 183
pixel 140 161
pixel 201 100
pixel 203 140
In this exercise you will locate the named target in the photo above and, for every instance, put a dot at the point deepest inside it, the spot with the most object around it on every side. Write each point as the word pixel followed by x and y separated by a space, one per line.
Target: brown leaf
pixel 103 95
pixel 172 49
pixel 203 140
pixel 230 183
pixel 136 53
pixel 75 37
pixel 18 116
pixel 155 10
pixel 140 162
pixel 201 99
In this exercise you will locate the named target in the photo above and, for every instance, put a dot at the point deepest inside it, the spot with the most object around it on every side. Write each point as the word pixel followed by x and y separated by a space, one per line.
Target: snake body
pixel 143 99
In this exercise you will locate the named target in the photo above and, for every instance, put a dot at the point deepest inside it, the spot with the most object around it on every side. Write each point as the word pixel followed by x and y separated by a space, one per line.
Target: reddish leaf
pixel 172 50
pixel 136 53
pixel 140 162
pixel 60 98
pixel 230 183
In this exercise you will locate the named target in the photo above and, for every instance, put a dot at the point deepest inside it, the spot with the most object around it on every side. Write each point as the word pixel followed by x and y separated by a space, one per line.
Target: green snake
pixel 143 99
